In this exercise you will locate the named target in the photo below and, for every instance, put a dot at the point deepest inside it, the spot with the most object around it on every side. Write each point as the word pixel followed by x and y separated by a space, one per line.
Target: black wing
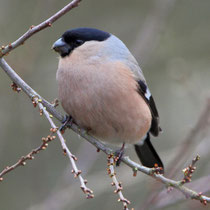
pixel 144 91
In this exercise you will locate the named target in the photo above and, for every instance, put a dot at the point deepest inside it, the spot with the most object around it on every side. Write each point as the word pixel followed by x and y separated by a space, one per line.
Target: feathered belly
pixel 108 106
pixel 110 118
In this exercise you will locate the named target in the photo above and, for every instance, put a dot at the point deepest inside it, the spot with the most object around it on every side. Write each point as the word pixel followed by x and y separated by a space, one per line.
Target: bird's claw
pixel 67 122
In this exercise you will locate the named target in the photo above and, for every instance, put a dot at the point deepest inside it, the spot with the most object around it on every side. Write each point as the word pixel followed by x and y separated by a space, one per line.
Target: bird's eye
pixel 79 42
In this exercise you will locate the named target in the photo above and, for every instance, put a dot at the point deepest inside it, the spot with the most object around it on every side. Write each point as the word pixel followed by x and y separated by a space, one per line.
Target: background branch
pixel 34 29
pixel 149 34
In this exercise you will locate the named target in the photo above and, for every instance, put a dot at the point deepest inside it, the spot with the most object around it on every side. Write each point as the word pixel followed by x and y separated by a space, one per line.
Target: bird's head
pixel 74 38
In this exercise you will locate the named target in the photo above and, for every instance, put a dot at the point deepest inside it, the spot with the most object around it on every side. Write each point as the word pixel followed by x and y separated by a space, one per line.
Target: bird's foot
pixel 119 154
pixel 66 123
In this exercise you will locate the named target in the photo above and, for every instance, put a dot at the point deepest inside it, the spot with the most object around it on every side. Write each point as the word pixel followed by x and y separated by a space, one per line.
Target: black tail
pixel 147 154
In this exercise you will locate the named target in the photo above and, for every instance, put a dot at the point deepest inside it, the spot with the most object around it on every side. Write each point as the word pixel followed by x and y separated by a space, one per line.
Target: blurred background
pixel 171 41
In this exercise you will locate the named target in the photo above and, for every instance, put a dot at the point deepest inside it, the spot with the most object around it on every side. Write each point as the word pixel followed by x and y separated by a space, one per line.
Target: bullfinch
pixel 103 89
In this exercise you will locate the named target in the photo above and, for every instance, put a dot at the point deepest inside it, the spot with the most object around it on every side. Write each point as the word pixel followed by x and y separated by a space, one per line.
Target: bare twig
pixel 168 182
pixel 61 198
pixel 166 199
pixel 29 156
pixel 189 170
pixel 66 151
pixel 4 50
pixel 118 185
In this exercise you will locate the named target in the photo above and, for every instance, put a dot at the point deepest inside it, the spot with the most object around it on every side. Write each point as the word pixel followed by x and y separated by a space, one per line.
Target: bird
pixel 102 88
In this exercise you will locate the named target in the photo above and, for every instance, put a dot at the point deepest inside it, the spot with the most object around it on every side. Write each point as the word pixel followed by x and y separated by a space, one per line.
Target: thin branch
pixel 4 50
pixel 149 35
pixel 189 170
pixel 197 133
pixel 66 151
pixel 29 156
pixel 168 182
pixel 118 185
pixel 166 199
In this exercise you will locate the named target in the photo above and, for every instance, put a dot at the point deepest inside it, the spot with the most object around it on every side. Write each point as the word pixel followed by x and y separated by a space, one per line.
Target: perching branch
pixel 166 199
pixel 153 172
pixel 149 171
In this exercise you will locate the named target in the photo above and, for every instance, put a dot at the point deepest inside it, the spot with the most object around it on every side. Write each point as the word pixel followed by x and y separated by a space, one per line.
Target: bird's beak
pixel 62 47
pixel 58 44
